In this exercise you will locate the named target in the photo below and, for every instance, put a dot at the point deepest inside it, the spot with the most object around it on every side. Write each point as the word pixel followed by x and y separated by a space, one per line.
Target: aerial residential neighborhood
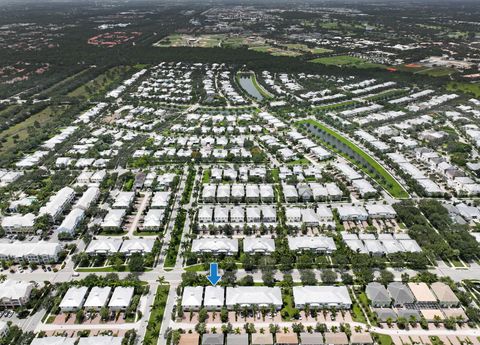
pixel 240 172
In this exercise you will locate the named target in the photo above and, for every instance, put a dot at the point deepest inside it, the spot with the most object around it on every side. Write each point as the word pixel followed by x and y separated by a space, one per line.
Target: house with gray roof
pixel 311 338
pixel 378 295
pixel 237 339
pixel 383 314
pixel 400 294
pixel 212 339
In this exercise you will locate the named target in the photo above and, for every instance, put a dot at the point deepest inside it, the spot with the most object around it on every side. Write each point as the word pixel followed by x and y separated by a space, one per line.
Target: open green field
pixel 101 84
pixel 387 182
pixel 346 60
pixel 275 51
pixel 471 88
pixel 258 44
pixel 20 130
pixel 156 316
pixel 437 71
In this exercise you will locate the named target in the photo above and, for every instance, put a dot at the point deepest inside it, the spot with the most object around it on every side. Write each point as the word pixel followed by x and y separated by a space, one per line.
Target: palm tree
pixel 236 308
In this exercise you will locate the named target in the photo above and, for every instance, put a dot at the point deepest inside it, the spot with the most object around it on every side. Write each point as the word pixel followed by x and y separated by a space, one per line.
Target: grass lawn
pixel 260 89
pixel 388 182
pixel 289 306
pixel 195 268
pixel 156 315
pixel 358 314
pixel 100 84
pixel 471 88
pixel 334 106
pixel 21 129
pixel 437 72
pixel 347 60
pixel 384 339
pixel 124 268
pixel 301 161
pixel 206 176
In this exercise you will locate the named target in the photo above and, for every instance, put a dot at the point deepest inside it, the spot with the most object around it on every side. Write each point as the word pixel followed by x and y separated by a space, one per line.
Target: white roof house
pixel 252 192
pixel 153 219
pixel 121 298
pixel 137 245
pixel 205 214
pixel 160 199
pixel 254 295
pixel 316 243
pixel 18 223
pixel 73 299
pixel 238 191
pixel 57 340
pixel 124 200
pixel 88 198
pixel 106 246
pixel 346 212
pixel 100 340
pixel 364 187
pixel 217 245
pixel 322 296
pixel 71 221
pixel 469 213
pixel 258 245
pixel 266 193
pixel 192 297
pixel 380 211
pixel 38 252
pixel 97 298
pixel 208 193
pixel 214 297
pixel 58 202
pixel 14 293
pixel 113 219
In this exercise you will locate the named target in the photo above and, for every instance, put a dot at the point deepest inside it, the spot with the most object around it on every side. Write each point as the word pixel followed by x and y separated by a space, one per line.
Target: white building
pixel 100 340
pixel 121 298
pixel 97 298
pixel 14 293
pixel 214 297
pixel 346 212
pixel 254 295
pixel 314 243
pixel 153 219
pixel 106 246
pixel 113 219
pixel 322 297
pixel 160 200
pixel 71 221
pixel 124 200
pixel 18 224
pixel 380 211
pixel 192 297
pixel 253 245
pixel 73 299
pixel 37 252
pixel 137 245
pixel 88 198
pixel 57 203
pixel 215 246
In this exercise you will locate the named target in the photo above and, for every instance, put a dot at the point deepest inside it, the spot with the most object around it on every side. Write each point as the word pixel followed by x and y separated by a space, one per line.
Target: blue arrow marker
pixel 214 277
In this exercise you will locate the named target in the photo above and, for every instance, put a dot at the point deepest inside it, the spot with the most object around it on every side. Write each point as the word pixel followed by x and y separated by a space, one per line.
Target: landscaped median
pixel 379 174
pixel 156 315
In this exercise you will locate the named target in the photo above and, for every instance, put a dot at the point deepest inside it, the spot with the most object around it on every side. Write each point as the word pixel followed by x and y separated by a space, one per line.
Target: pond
pixel 246 82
